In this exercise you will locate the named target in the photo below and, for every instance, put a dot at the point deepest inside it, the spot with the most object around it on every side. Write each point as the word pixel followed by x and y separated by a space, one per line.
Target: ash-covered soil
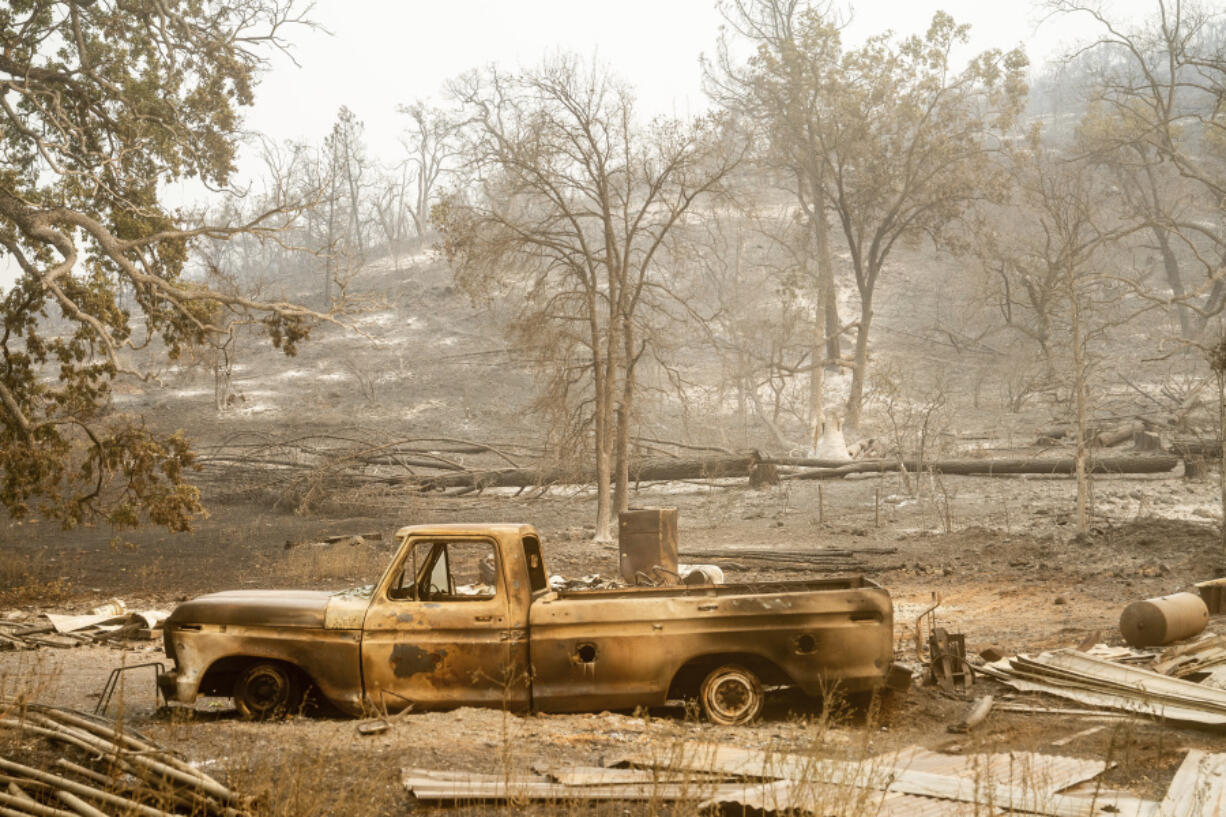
pixel 1009 573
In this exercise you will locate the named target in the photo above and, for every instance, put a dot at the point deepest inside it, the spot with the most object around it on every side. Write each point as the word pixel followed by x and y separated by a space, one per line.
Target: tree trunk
pixel 834 338
pixel 331 248
pixel 821 326
pixel 860 366
pixel 601 376
pixel 621 487
pixel 1221 419
pixel 1079 376
pixel 1170 265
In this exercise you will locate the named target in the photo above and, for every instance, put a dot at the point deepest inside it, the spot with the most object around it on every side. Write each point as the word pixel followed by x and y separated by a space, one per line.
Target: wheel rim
pixel 266 690
pixel 731 697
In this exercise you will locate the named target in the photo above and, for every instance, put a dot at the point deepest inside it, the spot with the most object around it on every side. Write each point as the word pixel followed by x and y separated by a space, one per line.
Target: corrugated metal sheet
pixel 913 782
pixel 936 784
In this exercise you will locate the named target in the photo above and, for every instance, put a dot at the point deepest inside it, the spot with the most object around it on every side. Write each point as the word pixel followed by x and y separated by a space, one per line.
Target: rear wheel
pixel 267 689
pixel 731 695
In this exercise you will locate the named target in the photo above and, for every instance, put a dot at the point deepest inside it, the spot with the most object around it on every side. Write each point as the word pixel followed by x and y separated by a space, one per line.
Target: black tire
pixel 267 690
pixel 731 695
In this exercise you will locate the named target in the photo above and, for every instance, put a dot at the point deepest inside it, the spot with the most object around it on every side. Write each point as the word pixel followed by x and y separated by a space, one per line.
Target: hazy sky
pixel 385 52
pixel 381 53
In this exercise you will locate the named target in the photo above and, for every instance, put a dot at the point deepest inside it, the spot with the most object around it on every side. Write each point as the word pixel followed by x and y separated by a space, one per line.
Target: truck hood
pixel 264 608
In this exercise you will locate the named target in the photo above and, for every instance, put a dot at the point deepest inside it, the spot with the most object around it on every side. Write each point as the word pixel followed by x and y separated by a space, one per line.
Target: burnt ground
pixel 1009 573
pixel 1000 553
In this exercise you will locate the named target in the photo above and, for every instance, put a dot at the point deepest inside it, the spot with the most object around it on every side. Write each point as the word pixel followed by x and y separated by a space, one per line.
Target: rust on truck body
pixel 463 615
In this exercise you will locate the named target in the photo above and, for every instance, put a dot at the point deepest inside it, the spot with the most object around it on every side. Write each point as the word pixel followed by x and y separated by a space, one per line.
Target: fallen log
pixel 985 467
pixel 809 462
pixel 640 471
pixel 1203 449
pixel 1114 436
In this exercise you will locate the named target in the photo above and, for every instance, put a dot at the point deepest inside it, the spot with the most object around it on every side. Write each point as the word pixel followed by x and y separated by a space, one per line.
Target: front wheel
pixel 267 689
pixel 731 695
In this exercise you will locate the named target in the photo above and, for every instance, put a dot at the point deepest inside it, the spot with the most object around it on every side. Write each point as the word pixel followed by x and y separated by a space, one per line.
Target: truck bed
pixel 632 646
pixel 854 582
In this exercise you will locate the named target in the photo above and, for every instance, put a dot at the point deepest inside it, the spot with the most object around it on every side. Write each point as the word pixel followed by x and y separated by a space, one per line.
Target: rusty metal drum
pixel 1154 622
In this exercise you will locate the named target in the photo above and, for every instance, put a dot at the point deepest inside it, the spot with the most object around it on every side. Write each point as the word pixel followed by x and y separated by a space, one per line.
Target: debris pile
pixel 592 581
pixel 907 782
pixel 1113 684
pixel 1190 659
pixel 78 764
pixel 106 623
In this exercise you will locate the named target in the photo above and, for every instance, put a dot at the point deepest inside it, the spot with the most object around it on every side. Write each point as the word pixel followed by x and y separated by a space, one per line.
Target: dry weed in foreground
pixel 293 775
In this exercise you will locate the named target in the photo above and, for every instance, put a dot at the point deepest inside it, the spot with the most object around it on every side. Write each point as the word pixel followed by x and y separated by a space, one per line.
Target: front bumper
pixel 173 689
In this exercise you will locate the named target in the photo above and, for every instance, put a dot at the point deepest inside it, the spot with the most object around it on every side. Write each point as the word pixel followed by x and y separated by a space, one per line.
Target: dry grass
pixel 339 562
pixel 23 581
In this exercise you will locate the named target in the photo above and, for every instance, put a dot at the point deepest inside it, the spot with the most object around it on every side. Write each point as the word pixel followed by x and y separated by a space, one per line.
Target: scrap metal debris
pixel 948 667
pixel 592 581
pixel 909 782
pixel 1096 682
pixel 99 767
pixel 108 622
pixel 1189 659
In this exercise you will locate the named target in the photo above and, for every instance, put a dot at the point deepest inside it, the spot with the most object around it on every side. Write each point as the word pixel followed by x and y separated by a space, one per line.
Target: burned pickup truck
pixel 464 616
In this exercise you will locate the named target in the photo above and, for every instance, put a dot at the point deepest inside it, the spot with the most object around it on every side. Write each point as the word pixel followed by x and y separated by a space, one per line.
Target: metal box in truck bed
pixel 647 539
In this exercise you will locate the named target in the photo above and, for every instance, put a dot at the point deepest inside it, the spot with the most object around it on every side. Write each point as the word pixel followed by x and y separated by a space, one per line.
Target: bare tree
pixel 779 112
pixel 1059 229
pixel 348 172
pixel 1156 92
pixel 888 137
pixel 572 202
pixel 430 145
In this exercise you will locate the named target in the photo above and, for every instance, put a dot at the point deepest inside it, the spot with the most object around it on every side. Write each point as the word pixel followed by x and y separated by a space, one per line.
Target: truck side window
pixel 474 570
pixel 447 571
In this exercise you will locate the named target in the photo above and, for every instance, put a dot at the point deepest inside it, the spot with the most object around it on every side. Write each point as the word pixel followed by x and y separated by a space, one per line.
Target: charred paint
pixel 404 618
pixel 408 660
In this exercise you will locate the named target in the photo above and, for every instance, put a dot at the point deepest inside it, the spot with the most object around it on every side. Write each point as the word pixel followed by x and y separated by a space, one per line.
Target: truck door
pixel 438 631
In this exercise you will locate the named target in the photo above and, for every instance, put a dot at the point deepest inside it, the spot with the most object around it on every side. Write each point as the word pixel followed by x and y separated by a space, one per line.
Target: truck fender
pixel 689 676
